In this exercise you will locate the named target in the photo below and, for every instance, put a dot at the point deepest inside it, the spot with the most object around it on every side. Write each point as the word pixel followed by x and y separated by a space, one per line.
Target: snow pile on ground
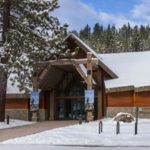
pixel 124 117
pixel 14 123
pixel 87 134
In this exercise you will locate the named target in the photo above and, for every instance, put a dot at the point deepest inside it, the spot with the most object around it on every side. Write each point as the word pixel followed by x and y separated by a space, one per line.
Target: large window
pixel 70 97
pixel 72 85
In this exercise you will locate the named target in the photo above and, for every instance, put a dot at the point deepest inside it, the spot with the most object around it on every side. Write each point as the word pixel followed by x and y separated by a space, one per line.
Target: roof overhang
pixel 86 48
pixel 55 70
pixel 128 88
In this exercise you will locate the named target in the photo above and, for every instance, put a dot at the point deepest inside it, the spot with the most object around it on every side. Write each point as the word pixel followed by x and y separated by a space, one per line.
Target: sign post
pixel 34 100
pixel 89 99
pixel 34 104
pixel 89 104
pixel 89 94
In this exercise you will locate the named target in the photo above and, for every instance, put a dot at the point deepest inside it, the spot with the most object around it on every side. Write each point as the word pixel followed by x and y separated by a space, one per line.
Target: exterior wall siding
pixel 16 103
pixel 115 103
pixel 142 99
pixel 19 109
pixel 127 101
pixel 120 99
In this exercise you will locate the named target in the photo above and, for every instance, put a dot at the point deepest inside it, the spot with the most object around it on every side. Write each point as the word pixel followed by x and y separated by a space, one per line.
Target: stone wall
pixel 144 112
pixel 21 114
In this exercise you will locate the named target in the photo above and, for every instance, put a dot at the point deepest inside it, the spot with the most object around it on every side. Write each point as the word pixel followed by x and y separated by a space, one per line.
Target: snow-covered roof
pixel 132 69
pixel 89 49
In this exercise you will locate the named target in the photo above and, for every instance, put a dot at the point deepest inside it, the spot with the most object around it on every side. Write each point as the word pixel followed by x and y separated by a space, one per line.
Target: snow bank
pixel 14 123
pixel 87 134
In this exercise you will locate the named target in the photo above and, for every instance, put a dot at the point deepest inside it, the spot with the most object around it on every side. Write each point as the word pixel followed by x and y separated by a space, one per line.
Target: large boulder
pixel 124 117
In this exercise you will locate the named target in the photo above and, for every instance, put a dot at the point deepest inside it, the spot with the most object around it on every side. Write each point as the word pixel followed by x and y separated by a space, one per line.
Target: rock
pixel 124 117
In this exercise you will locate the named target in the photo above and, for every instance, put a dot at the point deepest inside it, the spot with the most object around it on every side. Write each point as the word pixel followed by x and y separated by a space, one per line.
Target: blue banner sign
pixel 34 100
pixel 89 96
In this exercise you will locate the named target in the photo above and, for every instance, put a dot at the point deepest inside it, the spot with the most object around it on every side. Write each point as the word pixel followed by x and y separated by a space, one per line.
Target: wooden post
pixel 52 105
pixel 99 95
pixel 89 71
pixel 35 81
pixel 35 113
pixel 89 113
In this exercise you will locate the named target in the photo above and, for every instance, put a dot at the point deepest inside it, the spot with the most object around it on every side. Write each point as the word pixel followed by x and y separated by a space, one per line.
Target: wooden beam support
pixel 44 72
pixel 35 79
pixel 99 95
pixel 52 105
pixel 86 49
pixel 62 62
pixel 89 71
pixel 81 72
pixel 89 113
pixel 35 113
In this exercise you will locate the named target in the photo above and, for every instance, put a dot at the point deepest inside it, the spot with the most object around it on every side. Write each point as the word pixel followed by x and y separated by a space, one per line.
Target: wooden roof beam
pixel 45 71
pixel 81 72
pixel 62 62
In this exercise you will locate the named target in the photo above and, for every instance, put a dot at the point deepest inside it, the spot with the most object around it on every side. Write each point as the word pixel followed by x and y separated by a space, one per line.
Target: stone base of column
pixel 90 115
pixel 35 116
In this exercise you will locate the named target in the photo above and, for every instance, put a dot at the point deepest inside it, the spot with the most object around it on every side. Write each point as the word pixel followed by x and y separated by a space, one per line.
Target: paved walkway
pixel 10 133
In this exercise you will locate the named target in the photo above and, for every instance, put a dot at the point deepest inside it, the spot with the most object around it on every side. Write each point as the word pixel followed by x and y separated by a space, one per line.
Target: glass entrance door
pixel 70 109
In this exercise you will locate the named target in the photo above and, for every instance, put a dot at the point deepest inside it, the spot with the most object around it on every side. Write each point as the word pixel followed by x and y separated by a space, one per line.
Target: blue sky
pixel 78 13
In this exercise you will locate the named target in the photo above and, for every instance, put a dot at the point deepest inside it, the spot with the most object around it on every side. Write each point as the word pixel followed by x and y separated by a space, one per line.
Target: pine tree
pixel 31 35
pixel 86 32
pixel 97 39
pixel 110 39
pixel 136 40
pixel 97 30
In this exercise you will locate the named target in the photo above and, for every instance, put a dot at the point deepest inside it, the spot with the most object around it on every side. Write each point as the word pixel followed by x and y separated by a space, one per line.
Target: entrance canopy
pixel 60 76
pixel 51 73
pixel 55 71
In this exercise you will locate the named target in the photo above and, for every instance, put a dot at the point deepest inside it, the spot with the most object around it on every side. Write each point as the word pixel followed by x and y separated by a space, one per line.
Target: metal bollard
pixel 100 127
pixel 136 128
pixel 80 119
pixel 118 128
pixel 136 121
pixel 7 119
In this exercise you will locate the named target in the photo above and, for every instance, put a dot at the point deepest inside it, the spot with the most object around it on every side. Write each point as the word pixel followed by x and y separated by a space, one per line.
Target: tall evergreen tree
pixel 31 35
pixel 124 39
pixel 109 38
pixel 96 39
pixel 86 32
pixel 124 34
pixel 97 30
pixel 136 40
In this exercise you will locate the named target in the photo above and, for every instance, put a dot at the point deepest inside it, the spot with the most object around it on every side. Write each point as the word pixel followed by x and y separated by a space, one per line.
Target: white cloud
pixel 142 10
pixel 77 14
pixel 117 19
